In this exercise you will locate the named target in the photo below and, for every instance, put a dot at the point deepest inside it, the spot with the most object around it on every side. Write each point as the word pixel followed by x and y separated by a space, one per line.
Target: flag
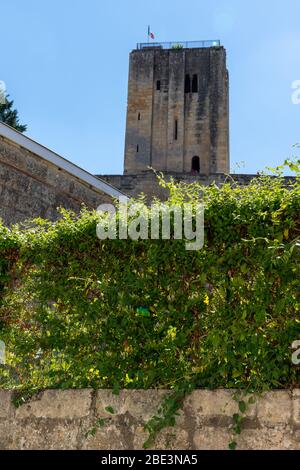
pixel 150 35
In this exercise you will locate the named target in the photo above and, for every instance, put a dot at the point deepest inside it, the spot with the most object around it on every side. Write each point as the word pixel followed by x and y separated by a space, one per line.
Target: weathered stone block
pixel 174 438
pixel 277 438
pixel 296 406
pixel 6 405
pixel 141 405
pixel 6 426
pixel 275 408
pixel 211 438
pixel 212 403
pixel 44 435
pixel 106 399
pixel 144 404
pixel 110 437
pixel 57 404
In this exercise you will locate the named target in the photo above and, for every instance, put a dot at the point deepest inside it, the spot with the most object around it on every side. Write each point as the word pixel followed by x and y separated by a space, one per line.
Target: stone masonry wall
pixel 60 419
pixel 147 183
pixel 31 187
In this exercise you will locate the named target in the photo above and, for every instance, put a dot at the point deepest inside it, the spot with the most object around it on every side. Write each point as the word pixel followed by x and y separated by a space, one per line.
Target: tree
pixel 9 116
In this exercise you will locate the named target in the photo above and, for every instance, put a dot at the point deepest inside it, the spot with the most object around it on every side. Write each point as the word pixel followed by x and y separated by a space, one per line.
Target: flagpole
pixel 148 34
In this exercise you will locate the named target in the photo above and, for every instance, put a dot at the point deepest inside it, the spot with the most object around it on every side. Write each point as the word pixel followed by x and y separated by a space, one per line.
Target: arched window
pixel 195 84
pixel 187 84
pixel 195 165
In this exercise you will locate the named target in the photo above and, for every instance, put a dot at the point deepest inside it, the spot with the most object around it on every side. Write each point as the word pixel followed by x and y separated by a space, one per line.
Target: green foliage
pixel 78 312
pixel 100 423
pixel 9 116
pixel 110 410
pixel 177 47
pixel 232 445
pixel 168 411
pixel 238 418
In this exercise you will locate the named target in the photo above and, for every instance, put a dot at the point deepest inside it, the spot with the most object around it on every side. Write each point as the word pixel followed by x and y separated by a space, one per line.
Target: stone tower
pixel 177 115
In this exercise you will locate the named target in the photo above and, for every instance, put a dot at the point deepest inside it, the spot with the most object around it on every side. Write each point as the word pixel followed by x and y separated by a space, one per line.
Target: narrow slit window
pixel 137 149
pixel 175 129
pixel 187 84
pixel 139 116
pixel 158 85
pixel 195 84
pixel 195 165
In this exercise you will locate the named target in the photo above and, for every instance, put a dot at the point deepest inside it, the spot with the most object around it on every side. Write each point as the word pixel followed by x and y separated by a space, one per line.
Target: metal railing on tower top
pixel 177 45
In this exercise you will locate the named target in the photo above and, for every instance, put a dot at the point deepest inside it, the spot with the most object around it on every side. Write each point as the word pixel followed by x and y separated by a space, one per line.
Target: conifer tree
pixel 9 115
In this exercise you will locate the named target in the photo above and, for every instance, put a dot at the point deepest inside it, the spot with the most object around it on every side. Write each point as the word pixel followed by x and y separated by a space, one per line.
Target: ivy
pixel 78 312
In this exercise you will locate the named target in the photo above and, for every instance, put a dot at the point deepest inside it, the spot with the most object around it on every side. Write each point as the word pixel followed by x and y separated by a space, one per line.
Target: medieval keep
pixel 178 109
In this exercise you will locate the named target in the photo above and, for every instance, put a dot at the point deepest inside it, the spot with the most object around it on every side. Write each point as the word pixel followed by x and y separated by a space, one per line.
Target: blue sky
pixel 65 63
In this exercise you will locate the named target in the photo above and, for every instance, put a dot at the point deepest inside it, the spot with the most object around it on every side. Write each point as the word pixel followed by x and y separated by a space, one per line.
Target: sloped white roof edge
pixel 52 157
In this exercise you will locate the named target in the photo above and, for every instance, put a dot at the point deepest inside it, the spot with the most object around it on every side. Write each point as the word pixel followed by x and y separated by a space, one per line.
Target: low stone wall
pixel 147 183
pixel 58 419
pixel 32 187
